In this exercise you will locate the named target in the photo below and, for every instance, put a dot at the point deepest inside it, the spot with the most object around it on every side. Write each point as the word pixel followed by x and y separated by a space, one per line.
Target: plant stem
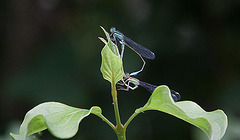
pixel 106 120
pixel 129 120
pixel 119 127
pixel 115 103
pixel 121 136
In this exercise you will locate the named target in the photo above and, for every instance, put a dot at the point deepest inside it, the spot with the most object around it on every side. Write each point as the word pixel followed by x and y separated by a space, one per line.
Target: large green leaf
pixel 61 120
pixel 214 123
pixel 111 68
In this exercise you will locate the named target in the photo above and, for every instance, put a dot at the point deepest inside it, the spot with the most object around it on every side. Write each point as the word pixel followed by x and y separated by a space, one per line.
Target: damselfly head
pixel 176 96
pixel 113 29
pixel 127 75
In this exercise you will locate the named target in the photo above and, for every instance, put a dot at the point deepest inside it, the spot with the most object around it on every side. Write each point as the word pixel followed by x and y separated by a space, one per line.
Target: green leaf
pixel 103 40
pixel 214 123
pixel 96 110
pixel 37 124
pixel 110 44
pixel 111 68
pixel 61 120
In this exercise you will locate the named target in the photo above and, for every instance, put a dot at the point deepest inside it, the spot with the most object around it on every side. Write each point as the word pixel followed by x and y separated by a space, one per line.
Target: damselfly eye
pixel 112 30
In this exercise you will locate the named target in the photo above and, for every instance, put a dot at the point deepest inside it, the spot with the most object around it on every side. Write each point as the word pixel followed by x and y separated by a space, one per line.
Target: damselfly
pixel 139 49
pixel 125 84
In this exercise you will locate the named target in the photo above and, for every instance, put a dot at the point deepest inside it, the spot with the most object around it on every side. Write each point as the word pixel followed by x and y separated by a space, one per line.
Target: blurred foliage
pixel 50 52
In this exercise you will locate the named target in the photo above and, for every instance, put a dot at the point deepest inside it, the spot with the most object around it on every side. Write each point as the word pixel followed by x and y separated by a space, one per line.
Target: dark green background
pixel 50 52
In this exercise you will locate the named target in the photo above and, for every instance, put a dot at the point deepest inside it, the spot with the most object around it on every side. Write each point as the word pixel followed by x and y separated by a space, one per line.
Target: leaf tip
pixel 103 40
pixel 14 136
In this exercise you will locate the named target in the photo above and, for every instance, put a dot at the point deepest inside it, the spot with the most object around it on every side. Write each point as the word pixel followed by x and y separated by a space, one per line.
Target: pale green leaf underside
pixel 111 68
pixel 214 123
pixel 61 120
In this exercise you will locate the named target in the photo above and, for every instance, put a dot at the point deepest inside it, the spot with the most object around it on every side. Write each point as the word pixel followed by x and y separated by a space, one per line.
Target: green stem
pixel 119 127
pixel 129 120
pixel 106 120
pixel 115 104
pixel 121 136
